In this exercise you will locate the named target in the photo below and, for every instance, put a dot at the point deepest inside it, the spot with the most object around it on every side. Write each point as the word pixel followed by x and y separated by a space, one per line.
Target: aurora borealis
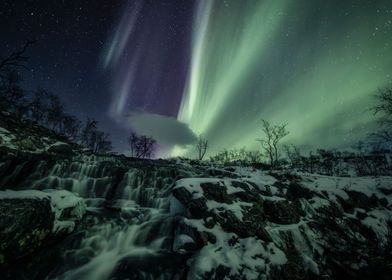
pixel 311 64
pixel 175 69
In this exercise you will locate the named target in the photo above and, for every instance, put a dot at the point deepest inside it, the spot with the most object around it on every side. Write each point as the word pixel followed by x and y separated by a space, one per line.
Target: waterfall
pixel 129 229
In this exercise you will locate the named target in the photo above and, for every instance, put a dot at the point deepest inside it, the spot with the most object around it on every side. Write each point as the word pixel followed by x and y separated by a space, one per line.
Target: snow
pixel 58 143
pixel 235 207
pixel 311 265
pixel 377 221
pixel 249 256
pixel 24 194
pixel 258 177
pixel 62 199
pixel 339 186
pixel 180 241
pixel 318 202
pixel 230 189
pixel 7 137
pixel 55 144
pixel 192 185
pixel 328 184
pixel 63 226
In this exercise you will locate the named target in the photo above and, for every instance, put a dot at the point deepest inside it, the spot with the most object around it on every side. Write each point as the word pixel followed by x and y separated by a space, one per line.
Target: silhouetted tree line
pixel 370 158
pixel 363 160
pixel 43 107
pixel 237 156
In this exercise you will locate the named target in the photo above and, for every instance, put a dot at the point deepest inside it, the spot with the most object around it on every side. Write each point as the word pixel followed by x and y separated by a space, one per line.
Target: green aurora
pixel 311 64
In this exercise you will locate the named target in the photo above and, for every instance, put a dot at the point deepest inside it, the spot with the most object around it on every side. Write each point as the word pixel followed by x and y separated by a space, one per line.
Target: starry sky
pixel 176 69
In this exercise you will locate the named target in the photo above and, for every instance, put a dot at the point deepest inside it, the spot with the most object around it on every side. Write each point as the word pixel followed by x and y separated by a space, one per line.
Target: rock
pixel 25 226
pixel 245 219
pixel 282 211
pixel 216 192
pixel 220 173
pixel 296 191
pixel 31 219
pixel 184 243
pixel 60 148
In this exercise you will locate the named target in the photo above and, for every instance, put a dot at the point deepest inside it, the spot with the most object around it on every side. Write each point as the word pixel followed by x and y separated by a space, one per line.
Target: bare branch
pixel 17 58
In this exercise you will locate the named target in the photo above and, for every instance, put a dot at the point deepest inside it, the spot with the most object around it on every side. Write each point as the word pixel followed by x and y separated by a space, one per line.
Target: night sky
pixel 175 69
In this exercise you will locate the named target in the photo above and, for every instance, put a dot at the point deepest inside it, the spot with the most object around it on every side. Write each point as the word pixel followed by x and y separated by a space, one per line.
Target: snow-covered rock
pixel 29 219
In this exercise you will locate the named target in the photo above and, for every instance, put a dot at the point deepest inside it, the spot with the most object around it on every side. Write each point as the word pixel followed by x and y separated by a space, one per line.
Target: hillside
pixel 69 214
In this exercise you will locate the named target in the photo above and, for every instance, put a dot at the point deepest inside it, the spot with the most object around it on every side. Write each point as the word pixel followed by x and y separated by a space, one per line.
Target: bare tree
pixel 237 156
pixel 201 146
pixel 91 137
pixel 141 146
pixel 16 58
pixel 273 134
pixel 55 113
pixel 39 106
pixel 384 102
pixel 383 108
pixel 100 142
pixel 89 127
pixel 12 96
pixel 293 153
pixel 71 126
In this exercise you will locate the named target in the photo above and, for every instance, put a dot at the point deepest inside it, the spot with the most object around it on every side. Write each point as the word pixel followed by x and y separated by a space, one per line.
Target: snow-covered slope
pixel 177 219
pixel 262 226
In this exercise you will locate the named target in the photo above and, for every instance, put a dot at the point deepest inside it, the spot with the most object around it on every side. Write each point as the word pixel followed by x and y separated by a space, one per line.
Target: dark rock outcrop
pixel 25 225
pixel 30 220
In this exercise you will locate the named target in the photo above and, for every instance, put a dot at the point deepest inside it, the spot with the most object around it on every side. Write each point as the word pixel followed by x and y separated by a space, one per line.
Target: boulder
pixel 31 219
pixel 25 225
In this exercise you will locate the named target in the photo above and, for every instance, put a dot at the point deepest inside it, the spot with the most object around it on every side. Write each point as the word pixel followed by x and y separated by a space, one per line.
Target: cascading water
pixel 107 244
pixel 128 232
